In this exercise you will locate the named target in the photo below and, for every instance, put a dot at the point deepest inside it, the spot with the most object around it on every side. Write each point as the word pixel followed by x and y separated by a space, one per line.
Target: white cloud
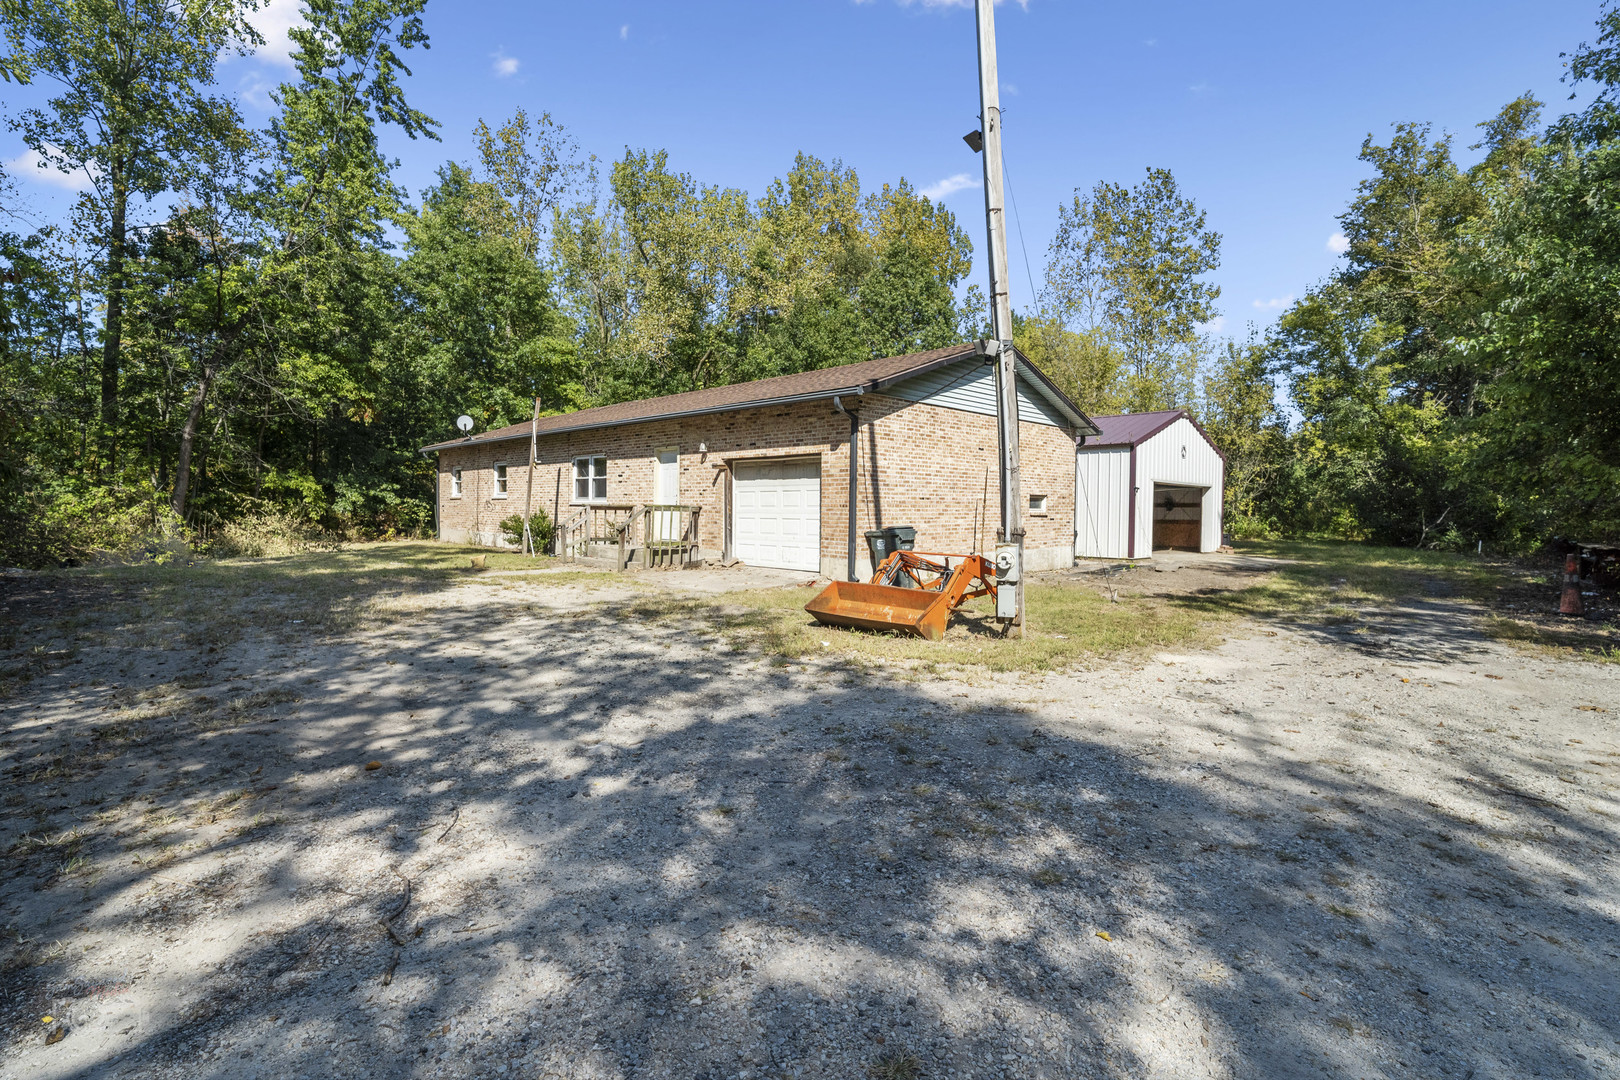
pixel 1010 89
pixel 1338 243
pixel 950 186
pixel 273 19
pixel 1199 88
pixel 1214 326
pixel 504 66
pixel 1276 303
pixel 31 165
pixel 624 32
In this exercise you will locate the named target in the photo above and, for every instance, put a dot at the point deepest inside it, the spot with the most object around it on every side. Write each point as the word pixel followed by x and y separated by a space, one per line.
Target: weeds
pixel 52 857
pixel 895 1065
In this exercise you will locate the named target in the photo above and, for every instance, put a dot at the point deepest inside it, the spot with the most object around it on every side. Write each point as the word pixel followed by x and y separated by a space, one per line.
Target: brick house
pixel 764 467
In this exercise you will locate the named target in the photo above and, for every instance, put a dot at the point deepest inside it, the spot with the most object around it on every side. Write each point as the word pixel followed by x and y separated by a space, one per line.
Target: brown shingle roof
pixel 869 375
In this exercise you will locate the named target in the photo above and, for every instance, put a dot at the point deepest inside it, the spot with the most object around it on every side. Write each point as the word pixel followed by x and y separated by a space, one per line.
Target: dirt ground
pixel 530 828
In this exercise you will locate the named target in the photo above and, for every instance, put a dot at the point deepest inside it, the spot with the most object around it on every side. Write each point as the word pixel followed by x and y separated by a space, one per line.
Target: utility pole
pixel 529 547
pixel 1010 546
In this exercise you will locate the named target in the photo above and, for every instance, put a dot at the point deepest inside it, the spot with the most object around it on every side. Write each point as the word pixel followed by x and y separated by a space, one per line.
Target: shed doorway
pixel 1178 517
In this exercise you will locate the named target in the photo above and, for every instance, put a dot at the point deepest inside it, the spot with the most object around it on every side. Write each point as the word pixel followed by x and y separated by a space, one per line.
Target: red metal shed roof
pixel 1133 429
pixel 1129 429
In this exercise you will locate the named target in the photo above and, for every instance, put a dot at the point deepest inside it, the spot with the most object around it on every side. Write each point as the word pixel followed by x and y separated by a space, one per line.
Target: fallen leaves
pixel 1105 935
pixel 373 766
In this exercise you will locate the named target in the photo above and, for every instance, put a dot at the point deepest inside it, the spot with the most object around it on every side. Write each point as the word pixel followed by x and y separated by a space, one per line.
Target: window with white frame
pixel 500 480
pixel 455 482
pixel 590 479
pixel 1037 504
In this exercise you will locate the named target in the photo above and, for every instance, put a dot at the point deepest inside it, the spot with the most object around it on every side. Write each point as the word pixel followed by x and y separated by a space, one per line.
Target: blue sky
pixel 1258 108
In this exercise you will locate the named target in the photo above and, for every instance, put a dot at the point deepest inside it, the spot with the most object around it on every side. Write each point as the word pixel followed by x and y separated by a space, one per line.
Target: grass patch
pixel 1330 580
pixel 1577 638
pixel 1068 623
pixel 213 602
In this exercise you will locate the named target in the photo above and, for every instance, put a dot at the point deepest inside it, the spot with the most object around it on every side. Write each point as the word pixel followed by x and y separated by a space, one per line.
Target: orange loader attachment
pixel 922 607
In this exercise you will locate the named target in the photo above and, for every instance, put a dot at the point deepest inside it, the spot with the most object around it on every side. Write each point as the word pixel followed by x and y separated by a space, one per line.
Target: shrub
pixel 539 525
pixel 1243 527
pixel 67 524
pixel 271 533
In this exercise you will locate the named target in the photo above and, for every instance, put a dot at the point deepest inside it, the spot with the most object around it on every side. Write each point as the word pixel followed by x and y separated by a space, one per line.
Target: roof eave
pixel 763 403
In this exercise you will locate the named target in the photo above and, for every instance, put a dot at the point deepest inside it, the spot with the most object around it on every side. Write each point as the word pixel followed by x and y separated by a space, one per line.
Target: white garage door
pixel 776 520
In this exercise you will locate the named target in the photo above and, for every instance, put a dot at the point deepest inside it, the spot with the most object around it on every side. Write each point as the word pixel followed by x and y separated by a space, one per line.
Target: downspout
pixel 854 466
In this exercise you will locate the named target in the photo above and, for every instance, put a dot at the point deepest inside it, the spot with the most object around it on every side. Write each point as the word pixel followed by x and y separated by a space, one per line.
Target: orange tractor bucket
pixel 924 608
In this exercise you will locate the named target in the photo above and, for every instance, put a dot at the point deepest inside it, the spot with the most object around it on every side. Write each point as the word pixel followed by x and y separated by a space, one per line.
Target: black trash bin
pixel 901 537
pixel 877 546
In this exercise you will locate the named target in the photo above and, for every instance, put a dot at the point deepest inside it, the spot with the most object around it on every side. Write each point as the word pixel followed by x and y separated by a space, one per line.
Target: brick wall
pixel 920 465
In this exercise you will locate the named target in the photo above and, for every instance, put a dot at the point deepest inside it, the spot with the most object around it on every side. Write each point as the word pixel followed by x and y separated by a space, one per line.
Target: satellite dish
pixel 464 422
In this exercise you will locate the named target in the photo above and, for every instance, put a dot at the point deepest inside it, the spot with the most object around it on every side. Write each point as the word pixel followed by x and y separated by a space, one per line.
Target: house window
pixel 590 479
pixel 500 480
pixel 1037 504
pixel 455 482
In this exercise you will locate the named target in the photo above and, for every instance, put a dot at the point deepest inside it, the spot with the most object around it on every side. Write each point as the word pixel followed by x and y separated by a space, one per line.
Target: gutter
pixel 762 403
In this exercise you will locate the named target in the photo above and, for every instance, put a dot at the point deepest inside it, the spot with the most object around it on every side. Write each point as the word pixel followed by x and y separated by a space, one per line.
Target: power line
pixel 1018 224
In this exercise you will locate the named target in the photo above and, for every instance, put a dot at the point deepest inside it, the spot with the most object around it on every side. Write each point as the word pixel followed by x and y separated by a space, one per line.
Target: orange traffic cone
pixel 1570 603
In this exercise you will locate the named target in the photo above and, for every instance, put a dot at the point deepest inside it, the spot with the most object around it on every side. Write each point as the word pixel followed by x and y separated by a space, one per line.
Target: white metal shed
pixel 1149 481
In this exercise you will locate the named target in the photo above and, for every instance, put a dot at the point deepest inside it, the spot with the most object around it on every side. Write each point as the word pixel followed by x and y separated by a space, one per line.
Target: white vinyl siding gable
pixel 1159 460
pixel 970 386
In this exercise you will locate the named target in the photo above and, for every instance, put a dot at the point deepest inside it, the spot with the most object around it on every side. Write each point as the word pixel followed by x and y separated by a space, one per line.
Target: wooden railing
pixel 568 541
pixel 668 534
pixel 600 523
pixel 654 533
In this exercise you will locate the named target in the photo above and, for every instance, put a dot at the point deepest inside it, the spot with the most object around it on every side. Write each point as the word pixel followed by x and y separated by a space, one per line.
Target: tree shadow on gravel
pixel 605 844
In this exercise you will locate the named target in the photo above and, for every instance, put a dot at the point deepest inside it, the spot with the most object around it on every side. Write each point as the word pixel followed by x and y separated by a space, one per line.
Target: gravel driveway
pixel 598 840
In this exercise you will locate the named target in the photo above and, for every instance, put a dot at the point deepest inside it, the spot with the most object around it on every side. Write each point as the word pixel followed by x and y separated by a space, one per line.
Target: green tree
pixel 1085 364
pixel 529 166
pixel 1237 407
pixel 480 334
pixel 191 297
pixel 1404 227
pixel 1130 263
pixel 686 251
pixel 132 114
pixel 1548 249
pixel 328 287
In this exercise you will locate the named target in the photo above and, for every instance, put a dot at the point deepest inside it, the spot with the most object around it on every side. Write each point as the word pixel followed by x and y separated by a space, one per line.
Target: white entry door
pixel 667 491
pixel 776 513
